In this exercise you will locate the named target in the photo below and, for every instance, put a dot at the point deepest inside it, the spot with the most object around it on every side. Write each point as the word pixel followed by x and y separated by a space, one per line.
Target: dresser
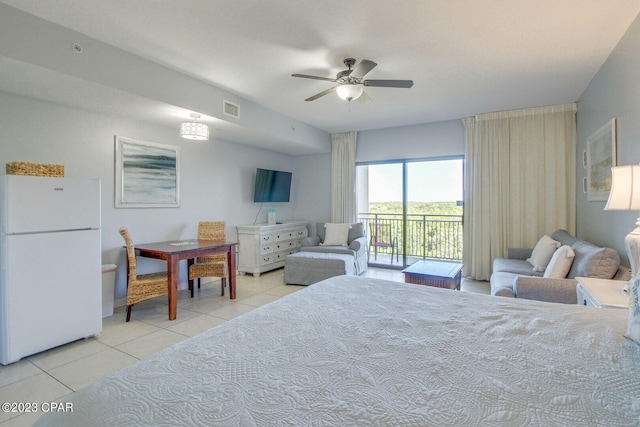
pixel 263 247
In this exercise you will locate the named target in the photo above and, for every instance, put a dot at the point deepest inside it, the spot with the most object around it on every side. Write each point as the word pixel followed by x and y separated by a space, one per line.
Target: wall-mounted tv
pixel 272 186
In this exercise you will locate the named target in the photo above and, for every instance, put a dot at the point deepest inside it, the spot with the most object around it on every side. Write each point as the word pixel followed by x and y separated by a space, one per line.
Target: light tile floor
pixel 53 374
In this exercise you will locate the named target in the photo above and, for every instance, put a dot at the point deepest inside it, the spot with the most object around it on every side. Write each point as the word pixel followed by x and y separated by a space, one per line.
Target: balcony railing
pixel 427 236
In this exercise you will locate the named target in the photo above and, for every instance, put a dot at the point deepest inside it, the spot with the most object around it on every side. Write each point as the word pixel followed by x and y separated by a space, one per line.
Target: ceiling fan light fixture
pixel 349 92
pixel 194 130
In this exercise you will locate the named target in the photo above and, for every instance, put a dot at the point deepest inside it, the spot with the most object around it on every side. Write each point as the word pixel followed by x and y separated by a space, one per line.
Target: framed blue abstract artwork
pixel 147 174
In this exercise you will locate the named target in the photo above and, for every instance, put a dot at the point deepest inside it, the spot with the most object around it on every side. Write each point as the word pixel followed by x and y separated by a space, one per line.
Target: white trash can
pixel 108 289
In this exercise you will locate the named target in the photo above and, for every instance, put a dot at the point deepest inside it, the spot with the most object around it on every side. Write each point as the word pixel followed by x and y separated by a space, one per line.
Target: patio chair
pixel 380 236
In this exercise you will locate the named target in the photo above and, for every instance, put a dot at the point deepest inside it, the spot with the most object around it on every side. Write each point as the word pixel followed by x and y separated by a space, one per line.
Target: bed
pixel 353 351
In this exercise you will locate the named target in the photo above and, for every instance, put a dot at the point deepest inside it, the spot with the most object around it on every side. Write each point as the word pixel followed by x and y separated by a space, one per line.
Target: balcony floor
pixel 385 260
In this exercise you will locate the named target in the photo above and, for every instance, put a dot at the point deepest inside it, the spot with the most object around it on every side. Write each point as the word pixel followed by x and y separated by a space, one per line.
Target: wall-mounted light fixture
pixel 194 130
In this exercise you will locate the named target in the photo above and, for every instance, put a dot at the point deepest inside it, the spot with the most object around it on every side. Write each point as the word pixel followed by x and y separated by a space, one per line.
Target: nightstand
pixel 601 293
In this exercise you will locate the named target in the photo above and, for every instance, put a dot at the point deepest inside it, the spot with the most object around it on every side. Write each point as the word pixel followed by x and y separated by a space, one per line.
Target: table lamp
pixel 625 195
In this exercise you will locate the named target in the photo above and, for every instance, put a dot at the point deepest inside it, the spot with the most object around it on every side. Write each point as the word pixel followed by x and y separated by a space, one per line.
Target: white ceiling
pixel 464 56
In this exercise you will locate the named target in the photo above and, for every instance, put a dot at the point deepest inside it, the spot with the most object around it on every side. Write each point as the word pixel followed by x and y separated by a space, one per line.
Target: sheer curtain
pixel 520 181
pixel 343 172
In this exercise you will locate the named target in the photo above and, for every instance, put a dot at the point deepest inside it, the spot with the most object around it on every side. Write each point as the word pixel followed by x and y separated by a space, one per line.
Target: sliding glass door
pixel 412 210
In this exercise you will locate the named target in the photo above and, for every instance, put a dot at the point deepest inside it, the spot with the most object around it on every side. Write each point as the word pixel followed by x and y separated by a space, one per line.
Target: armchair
pixel 356 245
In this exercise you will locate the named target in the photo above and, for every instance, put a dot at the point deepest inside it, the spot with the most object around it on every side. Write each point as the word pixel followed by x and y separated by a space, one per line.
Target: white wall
pixel 428 140
pixel 216 176
pixel 613 93
pixel 313 193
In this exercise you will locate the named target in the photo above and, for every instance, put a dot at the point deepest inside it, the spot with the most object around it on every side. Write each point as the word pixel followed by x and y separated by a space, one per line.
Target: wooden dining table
pixel 174 251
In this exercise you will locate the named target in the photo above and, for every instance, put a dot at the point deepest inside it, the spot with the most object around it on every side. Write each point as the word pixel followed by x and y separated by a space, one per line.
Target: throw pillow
pixel 356 230
pixel 336 234
pixel 633 325
pixel 560 263
pixel 594 261
pixel 543 252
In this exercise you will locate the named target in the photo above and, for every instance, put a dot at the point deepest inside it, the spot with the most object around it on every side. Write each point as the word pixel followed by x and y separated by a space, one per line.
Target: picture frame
pixel 601 157
pixel 147 174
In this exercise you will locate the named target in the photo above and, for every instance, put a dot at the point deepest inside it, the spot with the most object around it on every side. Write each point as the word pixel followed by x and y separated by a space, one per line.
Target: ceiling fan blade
pixel 305 76
pixel 389 83
pixel 323 93
pixel 362 68
pixel 364 99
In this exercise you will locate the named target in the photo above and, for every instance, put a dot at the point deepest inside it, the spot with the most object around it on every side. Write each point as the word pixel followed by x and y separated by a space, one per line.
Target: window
pixel 411 210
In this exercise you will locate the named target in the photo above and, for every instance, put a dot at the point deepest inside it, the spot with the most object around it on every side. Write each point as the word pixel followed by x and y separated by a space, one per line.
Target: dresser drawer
pixel 281 256
pixel 266 249
pixel 266 238
pixel 266 259
pixel 285 235
pixel 285 245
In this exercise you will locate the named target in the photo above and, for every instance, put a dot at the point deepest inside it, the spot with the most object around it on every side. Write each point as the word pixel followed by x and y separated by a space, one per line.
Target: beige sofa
pixel 513 276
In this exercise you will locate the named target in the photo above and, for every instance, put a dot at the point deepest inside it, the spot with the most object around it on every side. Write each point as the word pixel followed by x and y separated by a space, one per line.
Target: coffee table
pixel 440 274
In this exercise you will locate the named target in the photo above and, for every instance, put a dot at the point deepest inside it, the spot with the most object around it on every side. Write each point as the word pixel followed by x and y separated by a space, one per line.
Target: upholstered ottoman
pixel 306 268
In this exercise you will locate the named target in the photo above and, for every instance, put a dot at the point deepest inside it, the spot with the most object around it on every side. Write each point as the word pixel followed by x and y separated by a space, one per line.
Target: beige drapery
pixel 520 181
pixel 343 172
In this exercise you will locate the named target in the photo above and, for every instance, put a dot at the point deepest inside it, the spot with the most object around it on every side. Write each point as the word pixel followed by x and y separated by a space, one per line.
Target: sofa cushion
pixel 336 234
pixel 560 263
pixel 320 231
pixel 564 237
pixel 356 230
pixel 516 266
pixel 543 252
pixel 593 261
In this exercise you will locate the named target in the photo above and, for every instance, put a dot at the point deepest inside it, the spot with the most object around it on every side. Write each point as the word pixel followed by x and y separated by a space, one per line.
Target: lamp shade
pixel 625 188
pixel 349 92
pixel 194 130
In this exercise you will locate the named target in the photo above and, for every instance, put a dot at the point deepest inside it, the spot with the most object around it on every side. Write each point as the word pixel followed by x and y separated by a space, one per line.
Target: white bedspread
pixel 353 351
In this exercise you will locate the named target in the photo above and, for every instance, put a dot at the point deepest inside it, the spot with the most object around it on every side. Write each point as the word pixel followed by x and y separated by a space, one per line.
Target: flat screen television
pixel 272 186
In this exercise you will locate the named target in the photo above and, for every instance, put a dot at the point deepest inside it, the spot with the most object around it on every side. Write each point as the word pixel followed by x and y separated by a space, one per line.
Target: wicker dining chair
pixel 210 265
pixel 141 286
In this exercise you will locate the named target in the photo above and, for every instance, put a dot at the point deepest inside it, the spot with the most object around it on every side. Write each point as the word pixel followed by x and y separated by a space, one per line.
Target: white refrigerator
pixel 50 263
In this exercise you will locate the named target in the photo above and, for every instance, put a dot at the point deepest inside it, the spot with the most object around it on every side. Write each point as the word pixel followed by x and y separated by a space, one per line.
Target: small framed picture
pixel 601 157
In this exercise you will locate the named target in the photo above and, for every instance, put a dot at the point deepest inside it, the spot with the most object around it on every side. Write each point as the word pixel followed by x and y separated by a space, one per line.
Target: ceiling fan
pixel 351 81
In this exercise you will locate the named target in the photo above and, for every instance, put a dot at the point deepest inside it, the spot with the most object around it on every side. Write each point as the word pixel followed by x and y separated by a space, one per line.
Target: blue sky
pixel 433 181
